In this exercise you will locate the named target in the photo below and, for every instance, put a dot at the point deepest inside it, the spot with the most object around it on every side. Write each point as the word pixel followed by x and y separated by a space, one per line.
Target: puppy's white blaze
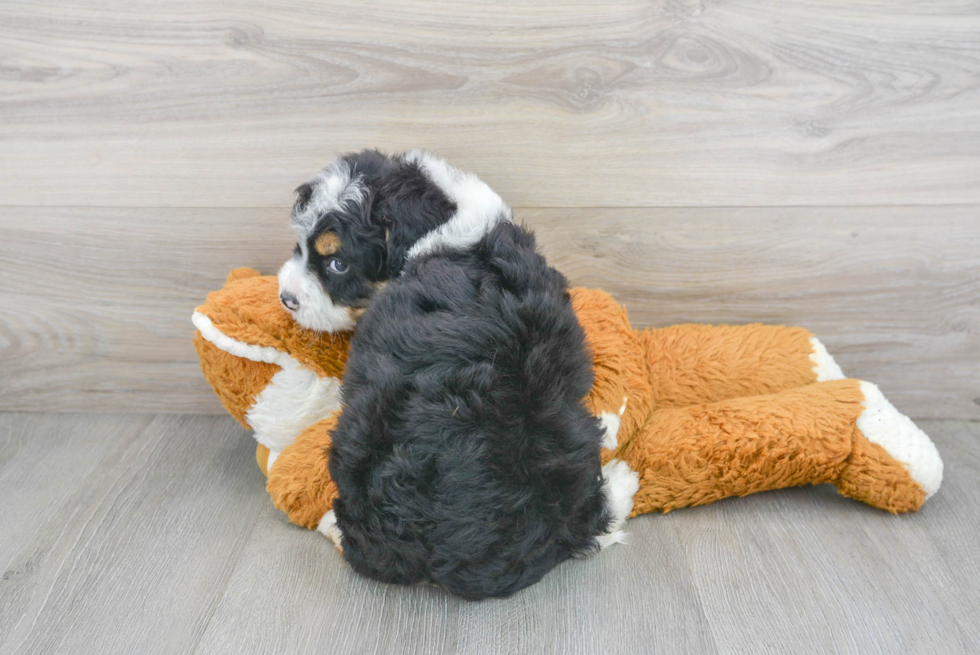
pixel 884 425
pixel 294 399
pixel 620 484
pixel 823 364
pixel 316 309
pixel 328 528
pixel 291 275
pixel 478 208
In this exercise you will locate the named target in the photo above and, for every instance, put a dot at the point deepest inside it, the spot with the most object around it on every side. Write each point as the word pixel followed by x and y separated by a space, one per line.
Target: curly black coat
pixel 464 455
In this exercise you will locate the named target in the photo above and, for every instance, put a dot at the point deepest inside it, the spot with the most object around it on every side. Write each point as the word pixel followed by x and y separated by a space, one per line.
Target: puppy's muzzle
pixel 289 301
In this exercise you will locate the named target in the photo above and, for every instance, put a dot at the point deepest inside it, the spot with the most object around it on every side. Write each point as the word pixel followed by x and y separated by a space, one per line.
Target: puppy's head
pixel 340 257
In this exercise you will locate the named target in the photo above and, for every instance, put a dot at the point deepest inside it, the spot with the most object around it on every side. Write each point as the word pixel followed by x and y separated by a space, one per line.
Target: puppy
pixel 464 455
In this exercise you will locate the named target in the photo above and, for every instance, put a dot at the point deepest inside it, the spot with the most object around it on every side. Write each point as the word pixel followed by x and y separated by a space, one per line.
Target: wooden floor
pixel 153 534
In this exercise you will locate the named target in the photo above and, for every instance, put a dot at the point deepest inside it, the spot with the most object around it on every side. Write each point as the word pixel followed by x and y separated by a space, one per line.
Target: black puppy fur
pixel 464 455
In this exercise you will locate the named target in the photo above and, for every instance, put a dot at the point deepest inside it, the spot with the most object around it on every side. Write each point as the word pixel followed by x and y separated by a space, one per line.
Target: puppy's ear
pixel 399 239
pixel 303 194
pixel 361 204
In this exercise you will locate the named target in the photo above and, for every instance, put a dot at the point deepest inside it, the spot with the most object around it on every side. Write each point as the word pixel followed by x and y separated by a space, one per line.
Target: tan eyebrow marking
pixel 327 244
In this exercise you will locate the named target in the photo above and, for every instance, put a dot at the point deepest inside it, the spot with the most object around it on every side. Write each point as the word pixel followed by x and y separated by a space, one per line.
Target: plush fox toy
pixel 699 412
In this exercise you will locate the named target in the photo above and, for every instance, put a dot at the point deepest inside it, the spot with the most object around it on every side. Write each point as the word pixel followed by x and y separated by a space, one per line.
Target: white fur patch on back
pixel 478 208
pixel 294 399
pixel 620 484
pixel 884 425
pixel 823 364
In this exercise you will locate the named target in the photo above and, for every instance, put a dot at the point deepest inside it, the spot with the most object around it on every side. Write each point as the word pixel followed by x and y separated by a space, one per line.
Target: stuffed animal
pixel 699 412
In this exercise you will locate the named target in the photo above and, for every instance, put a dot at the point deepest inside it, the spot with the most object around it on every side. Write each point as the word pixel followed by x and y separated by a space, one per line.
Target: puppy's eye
pixel 337 266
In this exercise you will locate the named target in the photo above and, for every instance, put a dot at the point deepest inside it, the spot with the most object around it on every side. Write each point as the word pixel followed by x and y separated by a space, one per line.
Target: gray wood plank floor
pixel 153 534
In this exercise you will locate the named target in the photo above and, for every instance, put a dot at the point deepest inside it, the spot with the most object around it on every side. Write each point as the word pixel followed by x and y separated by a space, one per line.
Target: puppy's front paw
pixel 328 527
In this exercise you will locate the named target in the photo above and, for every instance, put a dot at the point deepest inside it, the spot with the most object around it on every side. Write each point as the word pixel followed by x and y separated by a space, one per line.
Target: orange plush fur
pixel 703 412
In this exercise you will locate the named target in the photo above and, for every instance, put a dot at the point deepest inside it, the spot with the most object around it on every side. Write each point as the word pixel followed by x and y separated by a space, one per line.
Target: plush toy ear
pixel 242 273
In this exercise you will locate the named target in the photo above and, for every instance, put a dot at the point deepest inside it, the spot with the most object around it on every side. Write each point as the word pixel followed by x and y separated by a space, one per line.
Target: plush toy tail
pixel 837 432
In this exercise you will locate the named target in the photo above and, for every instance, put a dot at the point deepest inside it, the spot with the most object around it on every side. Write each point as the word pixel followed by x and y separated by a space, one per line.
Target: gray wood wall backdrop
pixel 812 162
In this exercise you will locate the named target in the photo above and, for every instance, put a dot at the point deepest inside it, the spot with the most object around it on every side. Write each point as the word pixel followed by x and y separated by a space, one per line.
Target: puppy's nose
pixel 289 301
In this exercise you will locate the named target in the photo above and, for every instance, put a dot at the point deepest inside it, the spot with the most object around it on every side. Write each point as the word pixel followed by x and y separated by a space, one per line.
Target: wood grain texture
pixel 807 570
pixel 154 535
pixel 128 553
pixel 623 103
pixel 313 603
pixel 893 292
pixel 942 548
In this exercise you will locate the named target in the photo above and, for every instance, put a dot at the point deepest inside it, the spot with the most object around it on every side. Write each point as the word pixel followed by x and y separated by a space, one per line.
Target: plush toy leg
pixel 621 394
pixel 693 364
pixel 809 435
pixel 638 371
pixel 893 464
pixel 299 478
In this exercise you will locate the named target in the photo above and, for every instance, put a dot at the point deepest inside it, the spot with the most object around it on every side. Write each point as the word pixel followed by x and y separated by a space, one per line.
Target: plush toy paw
pixel 894 465
pixel 824 366
pixel 620 485
pixel 299 479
